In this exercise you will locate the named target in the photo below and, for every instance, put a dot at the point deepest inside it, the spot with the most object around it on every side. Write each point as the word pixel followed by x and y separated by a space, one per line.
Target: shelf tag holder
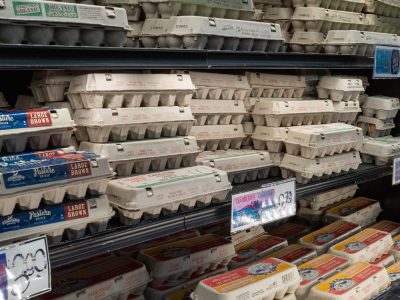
pixel 386 62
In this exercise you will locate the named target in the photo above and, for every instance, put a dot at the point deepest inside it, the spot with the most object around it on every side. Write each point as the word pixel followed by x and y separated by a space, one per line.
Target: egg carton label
pixel 352 206
pixel 295 254
pixel 384 260
pixel 25 119
pixel 387 226
pixel 394 271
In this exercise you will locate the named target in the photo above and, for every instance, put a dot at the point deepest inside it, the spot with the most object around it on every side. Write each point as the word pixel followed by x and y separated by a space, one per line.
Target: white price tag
pixel 271 203
pixel 25 269
pixel 396 171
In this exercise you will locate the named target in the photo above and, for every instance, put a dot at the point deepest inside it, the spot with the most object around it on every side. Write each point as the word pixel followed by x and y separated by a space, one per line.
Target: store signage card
pixel 396 171
pixel 386 62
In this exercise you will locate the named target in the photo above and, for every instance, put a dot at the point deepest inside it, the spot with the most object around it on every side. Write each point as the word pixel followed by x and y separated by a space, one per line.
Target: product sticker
pixel 17 119
pixel 61 10
pixel 327 234
pixel 27 9
pixel 386 62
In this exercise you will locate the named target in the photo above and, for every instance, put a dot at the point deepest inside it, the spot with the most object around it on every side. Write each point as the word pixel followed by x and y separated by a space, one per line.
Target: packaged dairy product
pixel 384 260
pixel 101 125
pixel 269 138
pixel 359 281
pixel 50 85
pixel 374 127
pixel 381 107
pixel 318 270
pixel 241 165
pixel 322 239
pixel 346 111
pixel 140 157
pixel 182 259
pixel 256 248
pixel 381 150
pixel 290 231
pixel 387 8
pixel 387 226
pixel 306 170
pixel 218 137
pixel 340 88
pixel 217 112
pixel 394 271
pixel 166 192
pixel 133 34
pixel 395 251
pixel 70 219
pixel 98 90
pixel 280 277
pixel 295 254
pixel 132 7
pixel 362 211
pixel 279 15
pixel 306 42
pixel 347 5
pixel 365 246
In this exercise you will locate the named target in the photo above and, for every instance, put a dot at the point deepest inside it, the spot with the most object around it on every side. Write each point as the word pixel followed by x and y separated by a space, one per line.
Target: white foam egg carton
pixel 318 270
pixel 133 35
pixel 276 86
pixel 365 246
pixel 132 7
pixel 381 107
pixel 155 193
pixel 217 112
pixel 354 42
pixel 139 157
pixel 218 137
pixel 228 9
pixel 67 24
pixel 346 111
pixel 381 151
pixel 293 113
pixel 306 42
pixel 305 170
pixel 395 250
pixel 359 281
pixel 345 5
pixel 192 32
pixel 295 254
pixel 374 127
pixel 279 15
pixel 322 140
pixel 280 277
pixel 388 226
pixel 182 259
pixel 50 85
pixel 269 138
pixel 388 8
pixel 35 129
pixel 241 165
pixel 98 90
pixel 394 271
pixel 69 220
pixel 101 125
pixel 385 260
pixel 340 88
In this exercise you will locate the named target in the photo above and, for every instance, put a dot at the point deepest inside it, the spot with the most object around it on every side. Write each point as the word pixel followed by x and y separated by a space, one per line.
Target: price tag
pixel 271 203
pixel 396 171
pixel 386 62
pixel 25 269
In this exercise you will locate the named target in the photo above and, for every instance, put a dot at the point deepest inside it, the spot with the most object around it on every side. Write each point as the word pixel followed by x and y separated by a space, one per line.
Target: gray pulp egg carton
pixel 51 176
pixel 241 165
pixel 266 4
pixel 340 88
pixel 293 113
pixel 374 127
pixel 192 32
pixel 346 111
pixel 249 102
pixel 356 42
pixel 132 7
pixel 217 112
pixel 139 157
pixel 323 140
pixel 305 170
pixel 98 90
pixel 248 128
pixel 228 9
pixel 276 86
pixel 50 85
pixel 269 138
pixel 26 102
pixel 306 42
pixel 388 8
pixel 101 125
pixel 69 24
pixel 133 35
pixel 383 24
pixel 35 129
pixel 166 192
pixel 279 15
pixel 276 160
pixel 381 107
pixel 219 137
pixel 69 220
pixel 356 6
pixel 381 150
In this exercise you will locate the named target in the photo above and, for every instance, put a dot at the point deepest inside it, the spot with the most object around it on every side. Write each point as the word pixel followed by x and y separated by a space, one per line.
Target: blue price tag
pixel 396 171
pixel 386 62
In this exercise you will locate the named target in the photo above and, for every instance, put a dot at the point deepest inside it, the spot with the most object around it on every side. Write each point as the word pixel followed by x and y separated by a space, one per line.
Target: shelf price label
pixel 396 171
pixel 272 202
pixel 386 62
pixel 25 269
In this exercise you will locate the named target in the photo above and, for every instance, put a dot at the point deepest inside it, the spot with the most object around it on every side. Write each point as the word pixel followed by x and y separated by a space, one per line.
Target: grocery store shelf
pixel 120 237
pixel 86 58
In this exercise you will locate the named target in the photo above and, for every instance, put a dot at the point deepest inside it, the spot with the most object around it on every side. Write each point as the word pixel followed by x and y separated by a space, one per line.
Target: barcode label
pixel 287 278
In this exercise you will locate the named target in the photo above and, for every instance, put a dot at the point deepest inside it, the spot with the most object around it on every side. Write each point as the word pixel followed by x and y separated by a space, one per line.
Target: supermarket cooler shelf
pixel 118 237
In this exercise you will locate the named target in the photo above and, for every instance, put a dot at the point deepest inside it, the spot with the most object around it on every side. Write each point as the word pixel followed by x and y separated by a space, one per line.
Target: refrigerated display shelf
pixel 118 237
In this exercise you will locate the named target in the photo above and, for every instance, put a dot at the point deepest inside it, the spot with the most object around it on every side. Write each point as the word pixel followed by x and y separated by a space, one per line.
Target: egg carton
pixel 295 254
pixel 394 274
pixel 265 4
pixel 3 101
pixel 280 277
pixel 217 112
pixel 140 157
pixel 322 140
pixel 35 129
pixel 293 113
pixel 383 24
pixel 290 231
pixel 388 8
pixel 276 86
pixel 345 5
pixel 50 85
pixel 241 165
pixel 385 260
pixel 269 138
pixel 98 90
pixel 192 32
pixel 306 42
pixel 250 102
pixel 340 88
pixel 308 216
pixel 133 35
pixel 395 250
pixel 354 42
pixel 182 259
pixel 359 281
pixel 307 170
pixel 101 125
pixel 218 137
pixel 279 15
pixel 26 102
pixel 69 220
pixel 218 86
pixel 387 226
pixel 346 111
pixel 381 151
pixel 132 7
pixel 157 193
pixel 374 127
pixel 318 19
pixel 381 107
pixel 67 24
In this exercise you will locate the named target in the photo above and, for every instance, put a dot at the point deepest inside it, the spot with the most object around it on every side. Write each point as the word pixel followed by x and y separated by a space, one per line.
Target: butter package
pixel 396 248
pixel 365 246
pixel 394 271
pixel 295 254
pixel 387 226
pixel 384 260
pixel 290 231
